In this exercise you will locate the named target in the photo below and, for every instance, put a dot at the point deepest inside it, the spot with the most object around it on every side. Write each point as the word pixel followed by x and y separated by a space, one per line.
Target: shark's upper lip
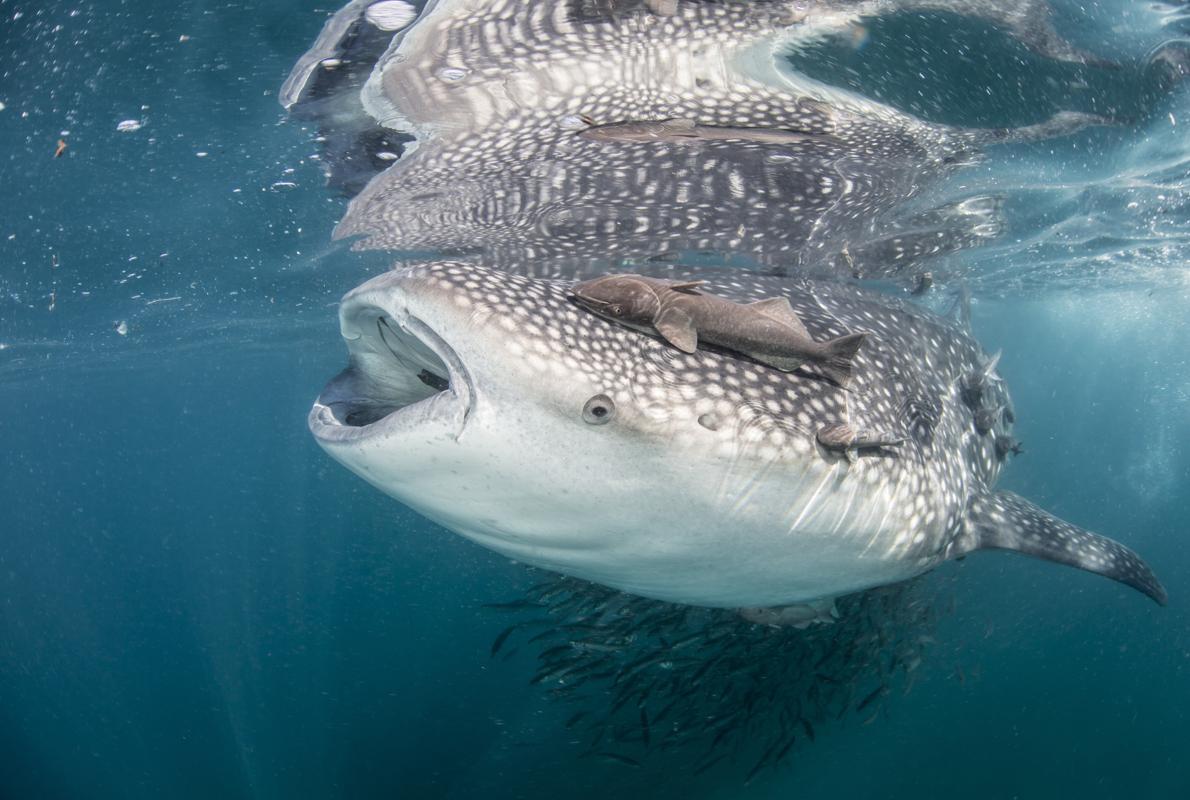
pixel 394 381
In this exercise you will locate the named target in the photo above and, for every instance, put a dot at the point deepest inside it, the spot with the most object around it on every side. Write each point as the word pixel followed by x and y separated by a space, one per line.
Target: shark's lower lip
pixel 403 377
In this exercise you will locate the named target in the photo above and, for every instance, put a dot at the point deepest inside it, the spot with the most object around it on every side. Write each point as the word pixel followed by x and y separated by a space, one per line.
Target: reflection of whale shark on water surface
pixel 499 96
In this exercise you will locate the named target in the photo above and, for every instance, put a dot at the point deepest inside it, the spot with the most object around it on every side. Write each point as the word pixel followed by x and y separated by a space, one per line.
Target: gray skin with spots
pixel 684 315
pixel 494 93
pixel 701 481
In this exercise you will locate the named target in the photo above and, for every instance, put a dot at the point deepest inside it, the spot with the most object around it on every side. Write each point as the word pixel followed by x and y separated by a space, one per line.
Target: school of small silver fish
pixel 643 676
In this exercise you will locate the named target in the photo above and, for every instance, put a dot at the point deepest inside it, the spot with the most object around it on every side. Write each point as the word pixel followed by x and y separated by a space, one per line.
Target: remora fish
pixel 687 131
pixel 578 445
pixel 767 330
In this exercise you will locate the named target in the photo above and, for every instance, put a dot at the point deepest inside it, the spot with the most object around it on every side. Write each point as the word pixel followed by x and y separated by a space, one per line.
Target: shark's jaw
pixel 403 378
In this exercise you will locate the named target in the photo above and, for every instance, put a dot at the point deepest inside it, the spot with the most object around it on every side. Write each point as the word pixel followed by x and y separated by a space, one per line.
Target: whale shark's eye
pixel 598 410
pixel 615 310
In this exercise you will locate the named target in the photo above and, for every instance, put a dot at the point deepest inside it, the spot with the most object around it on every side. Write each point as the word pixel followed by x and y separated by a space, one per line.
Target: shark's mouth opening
pixel 401 375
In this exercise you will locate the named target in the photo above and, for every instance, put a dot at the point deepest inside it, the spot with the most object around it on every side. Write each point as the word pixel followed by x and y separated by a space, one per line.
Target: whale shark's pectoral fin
pixel 676 327
pixel 1005 521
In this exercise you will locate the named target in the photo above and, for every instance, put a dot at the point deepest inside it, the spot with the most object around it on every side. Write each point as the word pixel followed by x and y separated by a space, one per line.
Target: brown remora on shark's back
pixel 768 331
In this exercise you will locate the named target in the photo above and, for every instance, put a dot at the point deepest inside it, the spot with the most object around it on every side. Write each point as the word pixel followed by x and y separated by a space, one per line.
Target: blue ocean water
pixel 196 602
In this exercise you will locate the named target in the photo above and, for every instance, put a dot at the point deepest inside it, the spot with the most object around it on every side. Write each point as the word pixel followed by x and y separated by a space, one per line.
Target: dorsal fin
pixel 778 308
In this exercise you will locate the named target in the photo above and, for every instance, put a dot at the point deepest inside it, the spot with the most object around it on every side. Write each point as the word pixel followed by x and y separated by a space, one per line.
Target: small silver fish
pixel 769 331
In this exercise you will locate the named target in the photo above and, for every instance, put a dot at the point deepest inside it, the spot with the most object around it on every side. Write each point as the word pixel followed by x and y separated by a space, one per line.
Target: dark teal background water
pixel 195 602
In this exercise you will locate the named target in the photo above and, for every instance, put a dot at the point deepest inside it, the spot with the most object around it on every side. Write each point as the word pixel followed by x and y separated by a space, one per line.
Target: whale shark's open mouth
pixel 402 376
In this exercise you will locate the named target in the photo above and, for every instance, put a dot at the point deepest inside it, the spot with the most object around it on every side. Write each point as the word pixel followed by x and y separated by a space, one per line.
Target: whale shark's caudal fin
pixel 1005 521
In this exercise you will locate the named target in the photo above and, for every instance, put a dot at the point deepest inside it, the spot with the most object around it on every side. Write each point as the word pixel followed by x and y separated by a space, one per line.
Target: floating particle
pixel 859 36
pixel 331 63
pixel 2 106
pixel 390 15
pixel 60 149
pixel 129 125
pixel 202 154
pixel 121 328
pixel 385 155
pixel 283 186
pixel 183 38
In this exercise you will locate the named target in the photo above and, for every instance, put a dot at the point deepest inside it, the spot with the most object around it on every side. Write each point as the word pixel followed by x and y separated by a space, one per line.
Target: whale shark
pixel 499 408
